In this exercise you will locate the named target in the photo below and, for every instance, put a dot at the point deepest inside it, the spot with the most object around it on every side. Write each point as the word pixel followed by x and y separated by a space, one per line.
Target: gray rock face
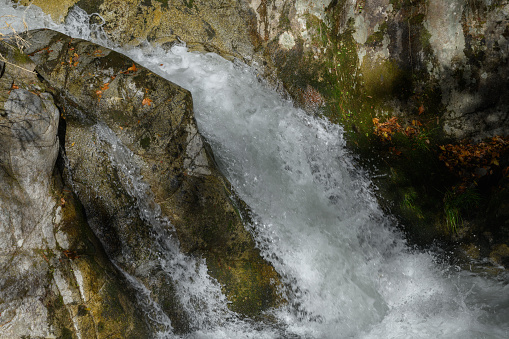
pixel 148 187
pixel 56 280
pixel 28 135
pixel 146 177
pixel 448 56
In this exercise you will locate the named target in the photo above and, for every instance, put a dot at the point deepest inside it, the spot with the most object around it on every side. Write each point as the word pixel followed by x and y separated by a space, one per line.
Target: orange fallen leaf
pixel 421 109
pixel 132 68
pixel 105 86
pixel 146 101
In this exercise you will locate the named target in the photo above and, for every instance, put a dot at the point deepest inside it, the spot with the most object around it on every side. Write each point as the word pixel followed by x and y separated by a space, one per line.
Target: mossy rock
pixel 90 82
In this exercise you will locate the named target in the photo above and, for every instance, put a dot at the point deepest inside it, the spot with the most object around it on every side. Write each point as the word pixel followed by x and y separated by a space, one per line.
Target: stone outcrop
pixel 220 26
pixel 142 172
pixel 56 280
pixel 135 182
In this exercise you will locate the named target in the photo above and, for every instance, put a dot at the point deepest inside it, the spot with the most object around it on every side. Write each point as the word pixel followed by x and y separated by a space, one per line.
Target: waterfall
pixel 349 273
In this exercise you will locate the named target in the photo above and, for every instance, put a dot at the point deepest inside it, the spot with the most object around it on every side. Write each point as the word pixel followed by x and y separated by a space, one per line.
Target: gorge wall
pixel 419 86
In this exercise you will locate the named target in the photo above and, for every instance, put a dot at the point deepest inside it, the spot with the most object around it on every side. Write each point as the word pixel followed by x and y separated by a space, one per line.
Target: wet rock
pixel 56 280
pixel 144 174
pixel 500 255
pixel 211 25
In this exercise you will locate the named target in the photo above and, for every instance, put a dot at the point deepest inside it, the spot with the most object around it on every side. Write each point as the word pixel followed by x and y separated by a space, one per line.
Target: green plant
pixel 456 203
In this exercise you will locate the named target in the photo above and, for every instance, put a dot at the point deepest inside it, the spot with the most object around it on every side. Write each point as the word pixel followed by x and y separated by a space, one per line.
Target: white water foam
pixel 350 274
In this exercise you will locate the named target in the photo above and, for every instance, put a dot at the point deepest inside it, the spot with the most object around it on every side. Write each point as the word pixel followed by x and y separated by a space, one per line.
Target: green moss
pixel 145 142
pixel 312 21
pixel 417 19
pixel 59 301
pixel 399 4
pixel 424 40
pixel 188 3
pixel 113 308
pixel 385 79
pixel 348 103
pixel 66 333
pixel 21 58
pixel 375 38
pixel 163 2
pixel 249 283
pixel 284 22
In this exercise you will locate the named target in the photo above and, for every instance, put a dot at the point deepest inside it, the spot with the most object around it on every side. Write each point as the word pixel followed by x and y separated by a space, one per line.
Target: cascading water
pixel 349 272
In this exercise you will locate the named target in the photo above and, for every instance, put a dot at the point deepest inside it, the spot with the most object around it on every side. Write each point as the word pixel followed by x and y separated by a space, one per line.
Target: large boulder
pixel 56 279
pixel 146 177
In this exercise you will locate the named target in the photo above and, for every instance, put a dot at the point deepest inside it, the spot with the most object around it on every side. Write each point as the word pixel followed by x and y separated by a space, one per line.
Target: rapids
pixel 349 272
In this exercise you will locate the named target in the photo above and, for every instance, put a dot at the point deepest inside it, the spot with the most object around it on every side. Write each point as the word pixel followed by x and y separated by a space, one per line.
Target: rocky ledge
pixel 135 187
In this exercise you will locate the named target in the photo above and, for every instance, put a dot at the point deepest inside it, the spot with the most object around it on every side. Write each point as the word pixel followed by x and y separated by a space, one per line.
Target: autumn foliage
pixel 385 130
pixel 472 161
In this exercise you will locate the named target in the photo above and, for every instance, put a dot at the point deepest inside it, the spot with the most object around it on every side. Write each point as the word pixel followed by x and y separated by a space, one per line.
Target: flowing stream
pixel 350 273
